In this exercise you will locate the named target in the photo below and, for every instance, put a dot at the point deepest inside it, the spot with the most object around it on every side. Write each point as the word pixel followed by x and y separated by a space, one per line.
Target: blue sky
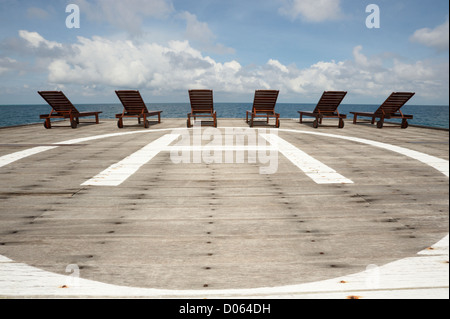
pixel 165 47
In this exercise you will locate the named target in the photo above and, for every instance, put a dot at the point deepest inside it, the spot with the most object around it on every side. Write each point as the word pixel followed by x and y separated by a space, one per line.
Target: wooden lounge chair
pixel 264 106
pixel 202 105
pixel 62 108
pixel 390 109
pixel 327 107
pixel 134 106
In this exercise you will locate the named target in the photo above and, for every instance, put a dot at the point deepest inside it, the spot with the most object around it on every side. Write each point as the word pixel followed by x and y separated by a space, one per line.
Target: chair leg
pixel 380 123
pixel 73 122
pixel 404 123
pixel 188 124
pixel 316 122
pixel 47 124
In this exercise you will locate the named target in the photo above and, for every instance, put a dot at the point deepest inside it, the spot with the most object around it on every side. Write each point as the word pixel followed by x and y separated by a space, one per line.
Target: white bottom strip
pixel 425 275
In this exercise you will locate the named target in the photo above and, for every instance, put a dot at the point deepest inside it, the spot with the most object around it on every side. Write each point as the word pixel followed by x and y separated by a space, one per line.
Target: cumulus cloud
pixel 99 62
pixel 196 30
pixel 34 46
pixel 371 76
pixel 199 33
pixel 117 63
pixel 437 38
pixel 312 10
pixel 35 40
pixel 28 53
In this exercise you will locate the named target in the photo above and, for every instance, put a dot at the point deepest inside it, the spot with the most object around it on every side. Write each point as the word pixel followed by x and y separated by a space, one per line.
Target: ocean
pixel 425 115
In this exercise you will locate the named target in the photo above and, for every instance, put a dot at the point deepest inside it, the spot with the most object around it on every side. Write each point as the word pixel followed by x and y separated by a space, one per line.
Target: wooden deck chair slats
pixel 63 108
pixel 134 106
pixel 327 107
pixel 390 109
pixel 329 102
pixel 202 105
pixel 264 106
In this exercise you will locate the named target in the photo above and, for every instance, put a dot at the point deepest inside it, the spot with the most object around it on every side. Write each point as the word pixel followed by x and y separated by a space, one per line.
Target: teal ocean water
pixel 426 115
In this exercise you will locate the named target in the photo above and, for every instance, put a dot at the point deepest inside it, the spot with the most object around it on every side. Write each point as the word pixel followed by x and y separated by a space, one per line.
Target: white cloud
pixel 199 33
pixel 35 40
pixel 196 30
pixel 117 63
pixel 312 10
pixel 276 64
pixel 100 63
pixel 369 76
pixel 437 38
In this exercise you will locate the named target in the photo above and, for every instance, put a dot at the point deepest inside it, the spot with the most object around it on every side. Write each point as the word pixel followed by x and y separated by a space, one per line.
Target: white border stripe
pixel 437 163
pixel 314 169
pixel 11 158
pixel 116 174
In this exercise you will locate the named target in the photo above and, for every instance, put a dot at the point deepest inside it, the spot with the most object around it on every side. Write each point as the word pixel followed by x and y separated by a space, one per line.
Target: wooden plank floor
pixel 205 228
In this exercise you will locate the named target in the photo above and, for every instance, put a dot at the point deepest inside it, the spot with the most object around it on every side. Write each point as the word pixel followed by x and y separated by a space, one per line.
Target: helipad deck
pixel 228 212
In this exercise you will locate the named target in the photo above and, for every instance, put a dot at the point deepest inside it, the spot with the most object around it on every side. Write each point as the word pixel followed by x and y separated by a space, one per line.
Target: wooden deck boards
pixel 199 229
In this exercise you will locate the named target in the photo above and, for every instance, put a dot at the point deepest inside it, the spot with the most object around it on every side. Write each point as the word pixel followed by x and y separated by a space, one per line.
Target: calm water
pixel 427 115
